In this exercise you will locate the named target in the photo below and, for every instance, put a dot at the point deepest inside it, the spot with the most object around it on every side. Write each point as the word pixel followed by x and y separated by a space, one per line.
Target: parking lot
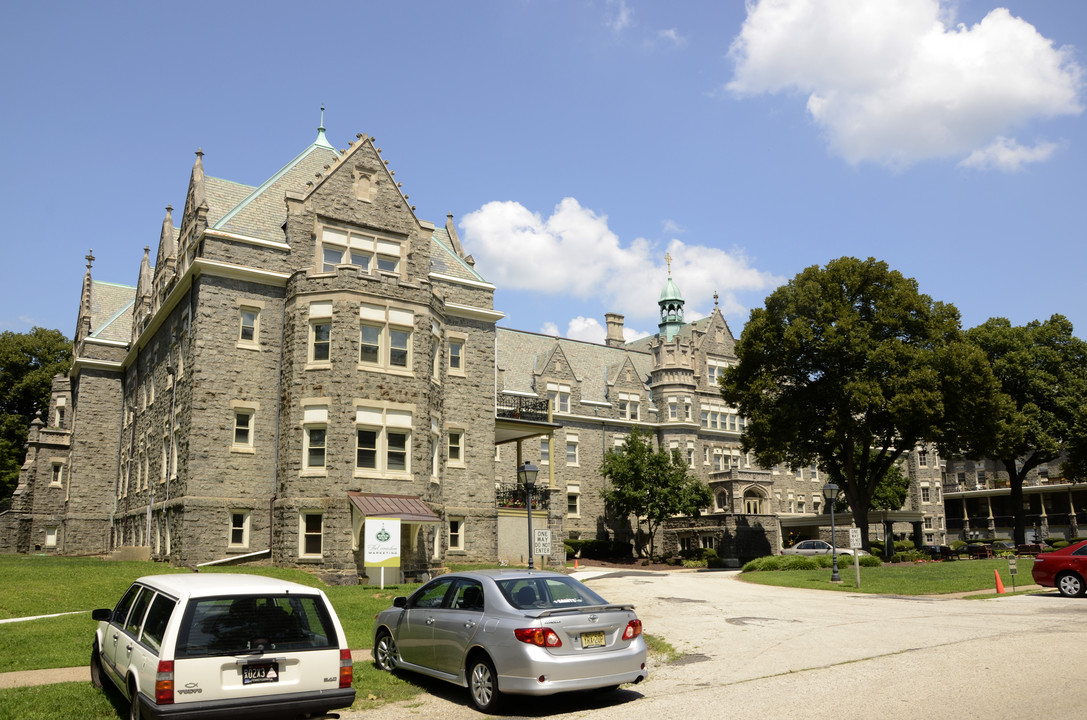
pixel 754 651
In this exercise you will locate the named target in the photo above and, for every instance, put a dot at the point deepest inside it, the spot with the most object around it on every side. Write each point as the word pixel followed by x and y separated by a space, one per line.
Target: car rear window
pixel 248 624
pixel 547 593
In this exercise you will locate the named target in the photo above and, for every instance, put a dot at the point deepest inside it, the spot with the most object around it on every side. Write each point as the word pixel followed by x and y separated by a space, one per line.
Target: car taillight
pixel 164 683
pixel 634 629
pixel 347 669
pixel 543 637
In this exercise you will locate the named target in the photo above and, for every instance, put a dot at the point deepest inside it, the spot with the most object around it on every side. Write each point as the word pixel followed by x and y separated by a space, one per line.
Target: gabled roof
pixel 262 212
pixel 444 259
pixel 589 362
pixel 111 311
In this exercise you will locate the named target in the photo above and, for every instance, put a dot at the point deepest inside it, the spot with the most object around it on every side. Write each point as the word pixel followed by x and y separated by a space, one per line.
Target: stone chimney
pixel 614 322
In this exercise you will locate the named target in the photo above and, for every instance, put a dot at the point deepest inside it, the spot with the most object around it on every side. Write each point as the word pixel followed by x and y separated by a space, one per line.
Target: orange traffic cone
pixel 575 562
pixel 999 585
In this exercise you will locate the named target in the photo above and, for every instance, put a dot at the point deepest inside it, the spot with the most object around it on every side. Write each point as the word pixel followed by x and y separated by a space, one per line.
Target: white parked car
pixel 220 645
pixel 819 547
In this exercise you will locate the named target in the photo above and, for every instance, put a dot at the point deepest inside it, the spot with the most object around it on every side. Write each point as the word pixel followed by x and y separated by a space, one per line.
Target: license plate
pixel 592 639
pixel 260 673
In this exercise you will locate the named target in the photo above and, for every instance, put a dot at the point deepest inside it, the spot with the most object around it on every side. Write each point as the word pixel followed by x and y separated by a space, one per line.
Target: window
pixel 716 460
pixel 690 456
pixel 545 451
pixel 673 409
pixel 56 477
pixel 714 370
pixel 320 341
pixel 342 247
pixel 456 357
pixel 382 440
pixel 573 500
pixel 239 528
pixel 243 429
pixel 559 395
pixel 720 500
pixel 58 416
pixel 928 523
pixel 248 330
pixel 456 533
pixel 800 505
pixel 629 406
pixel 315 447
pixel 310 527
pixel 753 502
pixel 922 458
pixel 571 449
pixel 385 337
pixel 456 447
pixel 314 426
pixel 50 537
pixel 687 409
pixel 925 494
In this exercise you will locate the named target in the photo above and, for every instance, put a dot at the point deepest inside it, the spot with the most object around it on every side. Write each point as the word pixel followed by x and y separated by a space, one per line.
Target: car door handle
pixel 128 648
pixel 469 623
pixel 430 621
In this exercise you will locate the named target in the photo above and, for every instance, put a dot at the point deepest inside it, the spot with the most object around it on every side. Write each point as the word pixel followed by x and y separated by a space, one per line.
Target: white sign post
pixel 382 543
pixel 541 543
pixel 855 546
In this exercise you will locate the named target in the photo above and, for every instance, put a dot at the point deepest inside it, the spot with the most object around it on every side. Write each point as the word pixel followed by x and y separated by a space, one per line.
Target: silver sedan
pixel 517 632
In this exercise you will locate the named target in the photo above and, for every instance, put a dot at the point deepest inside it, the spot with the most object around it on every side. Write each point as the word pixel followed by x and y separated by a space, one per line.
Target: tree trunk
pixel 1015 498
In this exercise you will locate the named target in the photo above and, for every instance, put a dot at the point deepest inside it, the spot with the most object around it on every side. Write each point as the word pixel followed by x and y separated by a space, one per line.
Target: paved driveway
pixel 759 652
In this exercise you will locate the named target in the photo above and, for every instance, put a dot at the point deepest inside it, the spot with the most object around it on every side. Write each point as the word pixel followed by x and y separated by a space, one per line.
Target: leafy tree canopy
pixel 652 485
pixel 28 362
pixel 1042 371
pixel 849 366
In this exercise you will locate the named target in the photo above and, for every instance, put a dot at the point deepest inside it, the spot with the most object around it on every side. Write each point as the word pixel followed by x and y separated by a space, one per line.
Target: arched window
pixel 753 501
pixel 720 499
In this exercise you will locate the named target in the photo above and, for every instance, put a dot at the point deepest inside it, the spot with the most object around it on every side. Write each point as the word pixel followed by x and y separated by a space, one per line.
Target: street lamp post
pixel 830 492
pixel 526 473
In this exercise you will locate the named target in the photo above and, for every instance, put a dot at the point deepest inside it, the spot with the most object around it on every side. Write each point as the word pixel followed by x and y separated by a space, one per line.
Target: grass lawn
pixel 928 578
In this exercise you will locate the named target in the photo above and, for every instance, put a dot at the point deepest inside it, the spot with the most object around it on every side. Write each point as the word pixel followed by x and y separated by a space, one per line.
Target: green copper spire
pixel 671 306
pixel 321 139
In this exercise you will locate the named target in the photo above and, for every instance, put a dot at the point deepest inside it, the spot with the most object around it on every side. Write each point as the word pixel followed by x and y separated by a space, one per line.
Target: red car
pixel 1064 569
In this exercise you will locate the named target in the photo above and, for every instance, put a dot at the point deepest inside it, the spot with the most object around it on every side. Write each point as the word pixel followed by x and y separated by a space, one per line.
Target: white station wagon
pixel 223 646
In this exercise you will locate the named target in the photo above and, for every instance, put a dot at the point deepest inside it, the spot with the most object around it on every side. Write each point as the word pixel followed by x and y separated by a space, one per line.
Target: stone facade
pixel 307 353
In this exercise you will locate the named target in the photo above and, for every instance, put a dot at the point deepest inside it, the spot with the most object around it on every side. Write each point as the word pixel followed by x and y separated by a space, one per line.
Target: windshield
pixel 240 625
pixel 548 593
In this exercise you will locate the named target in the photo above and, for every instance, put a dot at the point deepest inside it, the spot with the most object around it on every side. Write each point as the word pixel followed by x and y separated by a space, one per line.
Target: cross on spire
pixel 668 259
pixel 89 257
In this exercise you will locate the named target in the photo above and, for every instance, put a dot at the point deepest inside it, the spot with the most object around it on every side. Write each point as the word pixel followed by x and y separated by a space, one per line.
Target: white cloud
pixel 1008 155
pixel 892 82
pixel 672 35
pixel 583 328
pixel 621 16
pixel 573 252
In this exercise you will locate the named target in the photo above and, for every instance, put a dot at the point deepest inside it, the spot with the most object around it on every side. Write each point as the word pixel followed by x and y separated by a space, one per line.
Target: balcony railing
pixel 515 407
pixel 512 495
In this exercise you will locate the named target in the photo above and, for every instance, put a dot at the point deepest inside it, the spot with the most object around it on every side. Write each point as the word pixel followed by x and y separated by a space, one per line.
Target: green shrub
pixel 1060 544
pixel 904 545
pixel 598 549
pixel 957 545
pixel 1054 540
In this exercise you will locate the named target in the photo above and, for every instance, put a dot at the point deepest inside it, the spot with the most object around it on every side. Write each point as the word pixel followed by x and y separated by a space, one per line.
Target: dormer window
pixel 341 247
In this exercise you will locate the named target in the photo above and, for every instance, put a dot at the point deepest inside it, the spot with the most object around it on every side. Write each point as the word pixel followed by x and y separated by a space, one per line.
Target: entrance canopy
pixel 406 508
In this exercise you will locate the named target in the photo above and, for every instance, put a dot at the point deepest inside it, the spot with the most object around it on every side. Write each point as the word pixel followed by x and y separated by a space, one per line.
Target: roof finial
pixel 321 139
pixel 715 298
pixel 668 259
pixel 89 257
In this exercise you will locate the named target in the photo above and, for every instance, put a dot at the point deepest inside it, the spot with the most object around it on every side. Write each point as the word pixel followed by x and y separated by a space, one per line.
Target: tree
pixel 652 485
pixel 892 489
pixel 28 362
pixel 1042 370
pixel 850 367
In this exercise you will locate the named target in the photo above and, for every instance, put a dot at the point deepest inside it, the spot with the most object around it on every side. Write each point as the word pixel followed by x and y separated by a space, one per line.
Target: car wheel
pixel 1070 585
pixel 134 703
pixel 385 651
pixel 483 684
pixel 96 667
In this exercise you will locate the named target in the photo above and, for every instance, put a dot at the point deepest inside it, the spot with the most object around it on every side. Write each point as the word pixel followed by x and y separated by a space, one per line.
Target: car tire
pixel 483 684
pixel 134 712
pixel 96 666
pixel 1070 584
pixel 385 651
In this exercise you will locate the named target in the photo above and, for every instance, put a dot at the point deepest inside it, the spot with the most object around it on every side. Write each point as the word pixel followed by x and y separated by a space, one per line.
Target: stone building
pixel 305 354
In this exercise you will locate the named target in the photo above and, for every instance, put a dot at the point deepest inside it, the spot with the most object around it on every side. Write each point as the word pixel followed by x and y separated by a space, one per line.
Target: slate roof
pixel 445 261
pixel 111 311
pixel 408 508
pixel 222 196
pixel 262 212
pixel 594 366
pixel 685 333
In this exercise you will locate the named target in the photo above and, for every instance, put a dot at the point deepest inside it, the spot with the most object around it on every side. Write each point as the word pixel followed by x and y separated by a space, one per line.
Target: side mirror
pixel 101 615
pixel 400 601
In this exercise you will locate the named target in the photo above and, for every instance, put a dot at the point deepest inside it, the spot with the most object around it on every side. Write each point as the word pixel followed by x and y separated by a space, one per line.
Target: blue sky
pixel 576 143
